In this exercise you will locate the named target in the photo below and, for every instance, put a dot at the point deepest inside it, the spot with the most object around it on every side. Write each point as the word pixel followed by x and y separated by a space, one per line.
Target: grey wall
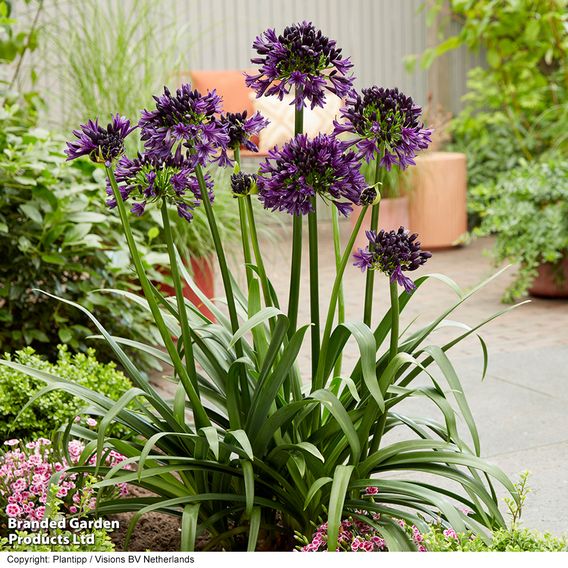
pixel 376 34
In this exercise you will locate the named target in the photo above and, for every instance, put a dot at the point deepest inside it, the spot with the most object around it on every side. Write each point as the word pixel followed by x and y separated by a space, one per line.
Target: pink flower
pixel 91 422
pixel 12 442
pixel 450 533
pixel 13 510
pixel 355 545
pixel 422 548
pixel 40 513
pixel 62 492
pixel 371 490
pixel 367 546
pixel 73 509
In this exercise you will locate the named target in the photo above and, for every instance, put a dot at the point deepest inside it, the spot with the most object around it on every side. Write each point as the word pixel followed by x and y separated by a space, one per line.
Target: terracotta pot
pixel 393 212
pixel 438 199
pixel 204 278
pixel 552 280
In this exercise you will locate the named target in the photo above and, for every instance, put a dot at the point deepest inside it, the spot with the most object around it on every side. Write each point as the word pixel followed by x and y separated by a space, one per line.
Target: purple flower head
pixel 392 253
pixel 304 168
pixel 240 128
pixel 384 122
pixel 187 118
pixel 150 178
pixel 102 145
pixel 242 184
pixel 301 58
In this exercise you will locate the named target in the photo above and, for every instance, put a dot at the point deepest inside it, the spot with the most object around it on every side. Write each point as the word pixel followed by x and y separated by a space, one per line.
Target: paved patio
pixel 520 408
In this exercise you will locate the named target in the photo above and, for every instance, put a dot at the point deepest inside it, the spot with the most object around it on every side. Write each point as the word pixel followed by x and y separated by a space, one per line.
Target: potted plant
pixel 527 212
pixel 438 199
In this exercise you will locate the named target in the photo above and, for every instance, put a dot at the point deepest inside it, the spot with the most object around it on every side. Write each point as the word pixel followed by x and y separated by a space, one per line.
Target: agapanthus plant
pixel 150 178
pixel 241 129
pixel 392 252
pixel 101 145
pixel 187 118
pixel 305 168
pixel 384 122
pixel 303 60
pixel 251 441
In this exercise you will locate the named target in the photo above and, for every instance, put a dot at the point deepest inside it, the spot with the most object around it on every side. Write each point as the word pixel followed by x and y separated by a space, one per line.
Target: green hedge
pixel 49 412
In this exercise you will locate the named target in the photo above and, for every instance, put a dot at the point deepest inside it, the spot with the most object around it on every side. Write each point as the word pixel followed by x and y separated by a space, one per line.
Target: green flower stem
pixel 314 284
pixel 340 298
pixel 256 249
pixel 244 226
pixel 225 276
pixel 317 381
pixel 185 328
pixel 189 383
pixel 395 320
pixel 393 350
pixel 370 278
pixel 296 262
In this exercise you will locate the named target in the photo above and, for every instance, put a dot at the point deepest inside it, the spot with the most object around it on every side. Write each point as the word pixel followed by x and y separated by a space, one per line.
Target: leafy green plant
pixel 527 211
pixel 54 235
pixel 502 540
pixel 516 104
pixel 55 408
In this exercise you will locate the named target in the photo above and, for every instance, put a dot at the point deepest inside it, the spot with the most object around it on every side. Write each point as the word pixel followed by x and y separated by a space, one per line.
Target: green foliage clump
pixel 517 104
pixel 57 407
pixel 56 235
pixel 515 539
pixel 527 211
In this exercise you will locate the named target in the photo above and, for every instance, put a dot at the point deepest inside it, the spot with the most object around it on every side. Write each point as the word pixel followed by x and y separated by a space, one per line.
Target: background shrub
pixel 55 408
pixel 527 211
pixel 503 540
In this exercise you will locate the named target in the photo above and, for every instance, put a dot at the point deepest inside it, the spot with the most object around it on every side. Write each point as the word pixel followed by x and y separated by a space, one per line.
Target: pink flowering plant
pixel 252 444
pixel 31 471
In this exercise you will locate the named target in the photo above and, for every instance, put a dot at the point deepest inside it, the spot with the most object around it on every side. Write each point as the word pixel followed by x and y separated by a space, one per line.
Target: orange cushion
pixel 230 85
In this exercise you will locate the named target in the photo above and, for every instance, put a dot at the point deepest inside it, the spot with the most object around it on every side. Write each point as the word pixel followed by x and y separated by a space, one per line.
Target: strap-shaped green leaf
pixel 340 483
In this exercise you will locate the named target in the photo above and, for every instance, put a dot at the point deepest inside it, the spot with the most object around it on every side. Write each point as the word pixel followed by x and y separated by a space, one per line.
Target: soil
pixel 155 531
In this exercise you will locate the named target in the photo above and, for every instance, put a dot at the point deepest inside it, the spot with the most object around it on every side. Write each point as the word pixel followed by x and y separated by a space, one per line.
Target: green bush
pixel 55 236
pixel 503 540
pixel 516 106
pixel 57 407
pixel 527 211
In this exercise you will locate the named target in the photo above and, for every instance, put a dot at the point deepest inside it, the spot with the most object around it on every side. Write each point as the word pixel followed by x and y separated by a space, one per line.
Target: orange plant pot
pixel 552 280
pixel 204 278
pixel 393 213
pixel 438 199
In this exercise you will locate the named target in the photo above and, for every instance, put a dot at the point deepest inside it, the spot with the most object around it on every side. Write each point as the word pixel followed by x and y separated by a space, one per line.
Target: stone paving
pixel 520 407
